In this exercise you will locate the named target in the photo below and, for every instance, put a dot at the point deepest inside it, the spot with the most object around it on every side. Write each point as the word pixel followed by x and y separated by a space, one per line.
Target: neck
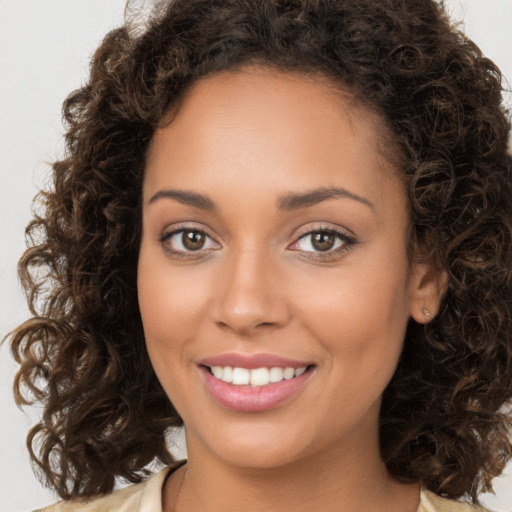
pixel 355 479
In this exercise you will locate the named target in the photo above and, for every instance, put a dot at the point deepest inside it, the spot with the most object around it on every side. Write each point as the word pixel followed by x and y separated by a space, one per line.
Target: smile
pixel 256 377
pixel 252 384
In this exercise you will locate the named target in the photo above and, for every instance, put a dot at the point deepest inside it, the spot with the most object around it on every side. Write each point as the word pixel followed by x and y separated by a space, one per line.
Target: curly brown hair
pixel 444 420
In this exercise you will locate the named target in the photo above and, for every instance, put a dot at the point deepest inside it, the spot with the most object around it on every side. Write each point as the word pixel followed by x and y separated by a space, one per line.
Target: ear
pixel 428 285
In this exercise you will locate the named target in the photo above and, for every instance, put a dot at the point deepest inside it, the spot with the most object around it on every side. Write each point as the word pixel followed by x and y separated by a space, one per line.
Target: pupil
pixel 193 240
pixel 323 241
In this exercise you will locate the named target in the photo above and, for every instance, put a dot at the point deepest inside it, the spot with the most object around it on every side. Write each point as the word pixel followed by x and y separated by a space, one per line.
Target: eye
pixel 187 240
pixel 319 241
pixel 329 241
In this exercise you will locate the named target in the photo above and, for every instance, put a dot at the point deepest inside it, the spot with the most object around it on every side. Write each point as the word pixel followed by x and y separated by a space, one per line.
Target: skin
pixel 245 140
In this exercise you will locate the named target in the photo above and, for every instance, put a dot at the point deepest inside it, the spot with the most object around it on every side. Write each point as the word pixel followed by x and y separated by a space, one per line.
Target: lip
pixel 253 361
pixel 257 398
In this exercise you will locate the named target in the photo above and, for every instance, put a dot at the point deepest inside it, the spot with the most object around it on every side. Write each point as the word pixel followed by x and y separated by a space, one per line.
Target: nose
pixel 250 297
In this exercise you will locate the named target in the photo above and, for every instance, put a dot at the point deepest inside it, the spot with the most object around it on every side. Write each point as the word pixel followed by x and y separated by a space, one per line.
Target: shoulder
pixel 431 502
pixel 144 496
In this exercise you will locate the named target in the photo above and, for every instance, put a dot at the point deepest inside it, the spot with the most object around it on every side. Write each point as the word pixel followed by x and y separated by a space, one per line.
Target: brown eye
pixel 322 240
pixel 193 240
pixel 331 242
pixel 184 241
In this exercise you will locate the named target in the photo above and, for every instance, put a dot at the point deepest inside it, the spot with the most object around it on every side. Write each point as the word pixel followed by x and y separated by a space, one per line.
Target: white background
pixel 45 47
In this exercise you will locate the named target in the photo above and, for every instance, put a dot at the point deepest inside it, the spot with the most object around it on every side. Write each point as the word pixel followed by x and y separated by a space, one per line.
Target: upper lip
pixel 252 361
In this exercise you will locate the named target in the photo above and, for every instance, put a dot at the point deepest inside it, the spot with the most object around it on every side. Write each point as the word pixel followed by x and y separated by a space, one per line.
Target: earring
pixel 426 312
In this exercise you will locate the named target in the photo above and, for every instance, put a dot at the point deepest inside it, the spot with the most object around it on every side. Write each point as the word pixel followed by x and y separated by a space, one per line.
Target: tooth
pixel 241 376
pixel 227 374
pixel 288 373
pixel 256 377
pixel 300 371
pixel 217 371
pixel 276 375
pixel 260 377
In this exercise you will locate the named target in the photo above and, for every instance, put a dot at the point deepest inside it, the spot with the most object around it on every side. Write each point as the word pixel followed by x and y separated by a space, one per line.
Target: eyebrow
pixel 186 197
pixel 296 201
pixel 289 202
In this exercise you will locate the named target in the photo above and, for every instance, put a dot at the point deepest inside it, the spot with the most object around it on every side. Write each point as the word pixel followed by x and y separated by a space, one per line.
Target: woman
pixel 286 225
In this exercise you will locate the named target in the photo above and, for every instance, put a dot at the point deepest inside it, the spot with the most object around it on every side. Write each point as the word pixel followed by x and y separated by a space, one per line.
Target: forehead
pixel 262 84
pixel 299 95
pixel 232 128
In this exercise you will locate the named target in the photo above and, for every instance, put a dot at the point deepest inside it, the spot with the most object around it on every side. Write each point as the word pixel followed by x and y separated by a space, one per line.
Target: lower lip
pixel 253 399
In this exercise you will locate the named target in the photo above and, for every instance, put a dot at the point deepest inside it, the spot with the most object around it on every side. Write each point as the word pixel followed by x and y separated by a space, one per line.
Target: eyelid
pixel 324 227
pixel 345 235
pixel 173 230
pixel 186 225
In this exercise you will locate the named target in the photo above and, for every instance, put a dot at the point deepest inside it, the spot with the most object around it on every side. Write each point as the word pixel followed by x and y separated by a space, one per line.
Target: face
pixel 274 283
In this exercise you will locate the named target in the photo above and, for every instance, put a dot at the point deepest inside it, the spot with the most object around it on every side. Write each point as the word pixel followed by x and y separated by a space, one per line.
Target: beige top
pixel 147 497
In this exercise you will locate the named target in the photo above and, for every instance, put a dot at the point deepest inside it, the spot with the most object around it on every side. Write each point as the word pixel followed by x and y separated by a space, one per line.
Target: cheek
pixel 360 318
pixel 169 303
pixel 170 298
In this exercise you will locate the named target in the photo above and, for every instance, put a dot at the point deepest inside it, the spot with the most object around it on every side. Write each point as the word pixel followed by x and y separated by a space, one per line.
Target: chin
pixel 253 445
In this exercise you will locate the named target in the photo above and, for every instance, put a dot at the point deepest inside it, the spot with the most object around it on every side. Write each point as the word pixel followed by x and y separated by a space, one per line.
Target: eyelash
pixel 347 243
pixel 331 254
pixel 180 253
